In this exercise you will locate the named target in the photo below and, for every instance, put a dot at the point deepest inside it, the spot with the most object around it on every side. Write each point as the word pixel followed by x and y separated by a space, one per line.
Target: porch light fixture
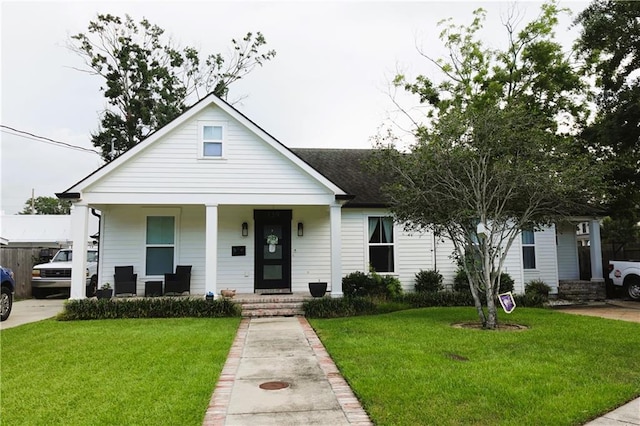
pixel 245 229
pixel 300 229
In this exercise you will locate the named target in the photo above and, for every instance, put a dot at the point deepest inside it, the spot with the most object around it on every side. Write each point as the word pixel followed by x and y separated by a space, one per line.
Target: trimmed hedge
pixel 161 307
pixel 326 307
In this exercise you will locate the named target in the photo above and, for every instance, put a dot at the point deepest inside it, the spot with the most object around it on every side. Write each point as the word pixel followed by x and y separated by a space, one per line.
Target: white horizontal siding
pixel 123 241
pixel 171 165
pixel 121 234
pixel 413 253
pixel 353 241
pixel 235 272
pixel 567 252
pixel 311 253
pixel 546 259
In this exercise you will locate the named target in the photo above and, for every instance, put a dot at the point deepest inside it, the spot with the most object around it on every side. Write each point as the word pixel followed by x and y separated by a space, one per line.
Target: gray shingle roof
pixel 345 168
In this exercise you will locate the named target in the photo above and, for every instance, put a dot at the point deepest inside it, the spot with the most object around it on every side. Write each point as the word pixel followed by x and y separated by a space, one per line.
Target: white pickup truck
pixel 626 273
pixel 55 277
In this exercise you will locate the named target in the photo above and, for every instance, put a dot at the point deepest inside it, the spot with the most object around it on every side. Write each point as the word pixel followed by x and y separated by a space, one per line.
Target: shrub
pixel 359 284
pixel 428 281
pixel 163 307
pixel 537 287
pixel 461 283
pixel 356 284
pixel 387 285
pixel 529 300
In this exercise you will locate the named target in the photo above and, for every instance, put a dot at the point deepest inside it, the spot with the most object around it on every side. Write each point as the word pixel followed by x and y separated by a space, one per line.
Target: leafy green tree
pixel 46 205
pixel 609 44
pixel 148 80
pixel 497 154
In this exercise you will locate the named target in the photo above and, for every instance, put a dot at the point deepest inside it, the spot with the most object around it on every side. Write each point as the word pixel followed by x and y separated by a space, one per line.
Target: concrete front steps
pixel 280 305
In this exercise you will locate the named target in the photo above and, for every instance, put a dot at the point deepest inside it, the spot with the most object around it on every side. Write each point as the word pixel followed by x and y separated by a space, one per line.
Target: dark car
pixel 8 288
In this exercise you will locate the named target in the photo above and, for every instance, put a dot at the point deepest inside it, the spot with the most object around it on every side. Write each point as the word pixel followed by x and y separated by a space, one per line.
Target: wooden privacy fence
pixel 20 261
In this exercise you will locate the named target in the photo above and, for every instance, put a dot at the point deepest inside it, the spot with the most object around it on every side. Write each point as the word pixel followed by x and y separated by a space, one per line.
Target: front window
pixel 381 244
pixel 160 247
pixel 528 250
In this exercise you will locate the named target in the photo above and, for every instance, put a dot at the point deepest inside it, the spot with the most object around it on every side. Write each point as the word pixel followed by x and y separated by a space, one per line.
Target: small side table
pixel 152 288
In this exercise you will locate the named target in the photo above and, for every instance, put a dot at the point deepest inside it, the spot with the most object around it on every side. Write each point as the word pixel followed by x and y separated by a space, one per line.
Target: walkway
pixel 624 310
pixel 278 373
pixel 32 310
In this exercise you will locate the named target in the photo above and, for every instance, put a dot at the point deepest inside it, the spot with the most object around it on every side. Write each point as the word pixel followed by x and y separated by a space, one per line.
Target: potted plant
pixel 318 289
pixel 105 292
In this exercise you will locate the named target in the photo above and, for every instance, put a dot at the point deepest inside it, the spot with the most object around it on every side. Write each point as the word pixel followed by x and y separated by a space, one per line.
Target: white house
pixel 215 191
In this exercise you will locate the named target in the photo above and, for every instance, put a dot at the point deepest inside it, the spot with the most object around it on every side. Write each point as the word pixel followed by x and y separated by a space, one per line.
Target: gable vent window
pixel 212 139
pixel 381 244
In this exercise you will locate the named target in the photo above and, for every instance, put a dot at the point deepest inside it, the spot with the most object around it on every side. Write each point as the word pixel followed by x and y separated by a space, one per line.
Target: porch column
pixel 79 235
pixel 211 250
pixel 595 251
pixel 335 218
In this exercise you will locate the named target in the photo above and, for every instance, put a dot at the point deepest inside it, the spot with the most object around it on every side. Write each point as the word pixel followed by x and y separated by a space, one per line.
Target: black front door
pixel 272 250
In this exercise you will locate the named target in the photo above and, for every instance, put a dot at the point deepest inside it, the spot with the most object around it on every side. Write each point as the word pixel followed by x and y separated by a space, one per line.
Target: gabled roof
pixel 74 191
pixel 346 168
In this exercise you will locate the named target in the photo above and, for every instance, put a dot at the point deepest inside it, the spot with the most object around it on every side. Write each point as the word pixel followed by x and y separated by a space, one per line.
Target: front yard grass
pixel 411 367
pixel 124 372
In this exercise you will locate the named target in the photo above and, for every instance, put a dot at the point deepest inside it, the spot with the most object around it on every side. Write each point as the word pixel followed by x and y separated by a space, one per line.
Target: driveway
pixel 32 310
pixel 612 309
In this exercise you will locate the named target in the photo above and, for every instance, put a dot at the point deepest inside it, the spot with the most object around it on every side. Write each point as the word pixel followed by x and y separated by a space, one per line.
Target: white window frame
pixel 533 245
pixel 175 213
pixel 202 140
pixel 392 244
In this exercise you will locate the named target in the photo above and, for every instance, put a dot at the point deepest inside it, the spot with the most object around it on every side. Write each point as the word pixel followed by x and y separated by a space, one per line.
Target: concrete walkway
pixel 32 310
pixel 278 373
pixel 624 310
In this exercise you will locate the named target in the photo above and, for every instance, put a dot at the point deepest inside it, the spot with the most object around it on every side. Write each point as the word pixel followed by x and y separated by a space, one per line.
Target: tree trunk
pixel 478 303
pixel 492 318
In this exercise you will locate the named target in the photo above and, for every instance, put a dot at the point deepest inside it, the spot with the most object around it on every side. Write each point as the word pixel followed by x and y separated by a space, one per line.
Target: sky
pixel 327 87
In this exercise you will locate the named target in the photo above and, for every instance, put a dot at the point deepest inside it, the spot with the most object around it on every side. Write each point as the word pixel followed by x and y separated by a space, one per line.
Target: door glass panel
pixel 272 272
pixel 275 255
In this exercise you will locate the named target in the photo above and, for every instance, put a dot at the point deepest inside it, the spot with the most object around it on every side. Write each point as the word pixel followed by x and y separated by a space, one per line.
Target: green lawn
pixel 408 367
pixel 115 372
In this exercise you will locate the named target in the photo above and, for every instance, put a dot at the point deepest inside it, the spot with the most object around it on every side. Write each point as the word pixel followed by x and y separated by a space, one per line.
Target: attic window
pixel 211 140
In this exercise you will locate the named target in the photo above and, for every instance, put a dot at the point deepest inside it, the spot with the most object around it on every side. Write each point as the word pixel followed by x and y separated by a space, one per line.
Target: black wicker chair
pixel 125 281
pixel 178 283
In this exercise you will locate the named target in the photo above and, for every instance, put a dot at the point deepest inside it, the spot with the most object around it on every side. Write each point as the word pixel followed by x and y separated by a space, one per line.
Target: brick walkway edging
pixel 216 413
pixel 350 404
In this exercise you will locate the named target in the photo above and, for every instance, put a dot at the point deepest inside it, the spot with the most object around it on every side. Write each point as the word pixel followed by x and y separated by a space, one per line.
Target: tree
pixel 149 80
pixel 497 155
pixel 46 205
pixel 609 44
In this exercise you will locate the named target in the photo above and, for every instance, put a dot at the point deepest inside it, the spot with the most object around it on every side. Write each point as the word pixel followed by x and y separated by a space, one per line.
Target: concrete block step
pixel 281 305
pixel 255 313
